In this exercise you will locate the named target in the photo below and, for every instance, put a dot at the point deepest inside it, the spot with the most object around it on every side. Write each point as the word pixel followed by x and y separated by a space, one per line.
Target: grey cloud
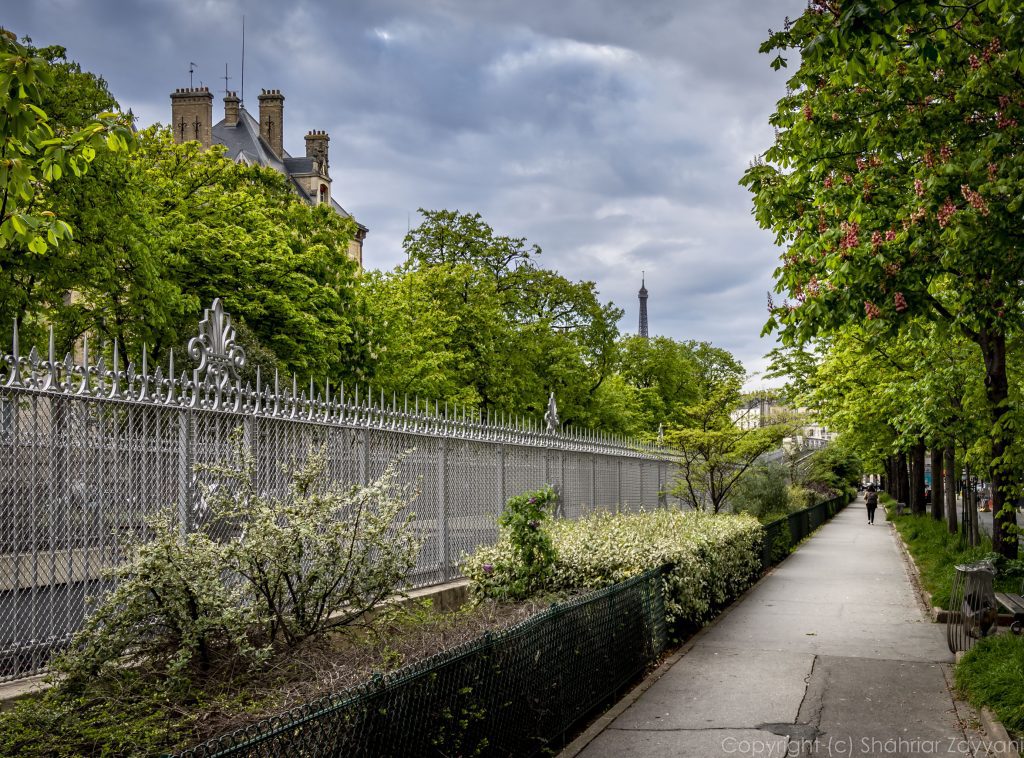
pixel 611 134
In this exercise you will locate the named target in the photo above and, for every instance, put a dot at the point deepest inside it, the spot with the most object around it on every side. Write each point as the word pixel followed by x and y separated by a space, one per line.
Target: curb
pixel 1001 745
pixel 939 615
pixel 12 692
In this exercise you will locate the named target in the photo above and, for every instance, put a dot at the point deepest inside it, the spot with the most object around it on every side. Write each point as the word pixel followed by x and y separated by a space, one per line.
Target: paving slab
pixel 750 743
pixel 743 688
pixel 831 654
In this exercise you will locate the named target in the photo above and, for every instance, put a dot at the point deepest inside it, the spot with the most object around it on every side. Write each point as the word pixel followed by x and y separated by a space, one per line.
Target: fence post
pixel 442 507
pixel 593 482
pixel 365 462
pixel 563 492
pixel 184 469
pixel 662 484
pixel 618 485
pixel 502 497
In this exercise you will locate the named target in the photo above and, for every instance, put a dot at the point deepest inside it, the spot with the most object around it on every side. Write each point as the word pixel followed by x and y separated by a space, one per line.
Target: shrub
pixel 186 605
pixel 533 554
pixel 320 554
pixel 171 611
pixel 763 492
pixel 711 557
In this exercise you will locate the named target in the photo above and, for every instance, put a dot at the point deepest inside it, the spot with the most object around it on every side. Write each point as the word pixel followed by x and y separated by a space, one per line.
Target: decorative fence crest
pixel 220 359
pixel 551 417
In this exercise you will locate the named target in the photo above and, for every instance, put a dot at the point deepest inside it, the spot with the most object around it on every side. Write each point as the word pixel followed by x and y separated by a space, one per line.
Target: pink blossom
pixel 992 170
pixel 890 235
pixel 808 112
pixel 919 188
pixel 946 212
pixel 828 182
pixel 974 62
pixel 975 199
pixel 851 234
pixel 871 310
pixel 900 302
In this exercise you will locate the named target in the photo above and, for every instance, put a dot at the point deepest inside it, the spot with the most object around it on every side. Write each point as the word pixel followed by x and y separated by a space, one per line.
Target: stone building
pixel 260 142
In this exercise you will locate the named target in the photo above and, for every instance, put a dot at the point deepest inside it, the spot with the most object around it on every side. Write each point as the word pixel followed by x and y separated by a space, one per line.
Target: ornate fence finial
pixel 551 417
pixel 215 349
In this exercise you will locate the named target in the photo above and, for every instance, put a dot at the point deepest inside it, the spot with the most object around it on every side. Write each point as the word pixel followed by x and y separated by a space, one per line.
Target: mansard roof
pixel 245 145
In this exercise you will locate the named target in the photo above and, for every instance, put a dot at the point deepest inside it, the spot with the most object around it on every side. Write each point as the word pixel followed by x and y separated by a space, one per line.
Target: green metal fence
pixel 780 535
pixel 513 693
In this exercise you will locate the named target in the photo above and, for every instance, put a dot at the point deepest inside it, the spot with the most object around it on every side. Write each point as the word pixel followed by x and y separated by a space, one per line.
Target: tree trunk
pixel 917 506
pixel 902 479
pixel 938 501
pixel 949 473
pixel 997 391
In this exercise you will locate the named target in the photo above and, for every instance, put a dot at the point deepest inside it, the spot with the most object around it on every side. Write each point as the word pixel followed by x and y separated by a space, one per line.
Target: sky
pixel 611 134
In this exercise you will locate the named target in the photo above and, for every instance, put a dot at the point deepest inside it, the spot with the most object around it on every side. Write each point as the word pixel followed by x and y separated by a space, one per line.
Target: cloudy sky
pixel 611 134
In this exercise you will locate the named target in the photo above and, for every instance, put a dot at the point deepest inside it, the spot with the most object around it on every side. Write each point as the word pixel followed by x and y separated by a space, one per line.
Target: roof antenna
pixel 191 70
pixel 226 78
pixel 242 101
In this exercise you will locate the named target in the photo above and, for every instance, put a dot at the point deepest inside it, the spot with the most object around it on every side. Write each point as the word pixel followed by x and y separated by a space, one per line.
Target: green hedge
pixel 712 558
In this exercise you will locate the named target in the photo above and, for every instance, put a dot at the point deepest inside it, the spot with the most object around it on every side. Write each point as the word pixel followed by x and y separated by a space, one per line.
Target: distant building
pixel 760 410
pixel 261 143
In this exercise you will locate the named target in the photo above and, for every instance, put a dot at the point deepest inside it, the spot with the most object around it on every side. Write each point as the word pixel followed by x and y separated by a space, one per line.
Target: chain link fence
pixel 89 450
pixel 782 535
pixel 513 693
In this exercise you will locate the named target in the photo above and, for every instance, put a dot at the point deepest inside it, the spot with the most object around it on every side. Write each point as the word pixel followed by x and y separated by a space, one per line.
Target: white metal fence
pixel 88 452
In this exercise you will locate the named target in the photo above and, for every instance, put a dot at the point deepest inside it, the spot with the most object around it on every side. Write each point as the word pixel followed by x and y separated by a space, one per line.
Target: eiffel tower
pixel 643 306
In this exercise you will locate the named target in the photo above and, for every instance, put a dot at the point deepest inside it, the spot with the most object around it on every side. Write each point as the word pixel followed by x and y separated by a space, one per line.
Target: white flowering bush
pixel 171 611
pixel 321 553
pixel 711 557
pixel 188 606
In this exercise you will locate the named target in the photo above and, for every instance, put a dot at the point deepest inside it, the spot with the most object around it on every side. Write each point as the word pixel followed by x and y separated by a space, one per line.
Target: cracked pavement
pixel 832 654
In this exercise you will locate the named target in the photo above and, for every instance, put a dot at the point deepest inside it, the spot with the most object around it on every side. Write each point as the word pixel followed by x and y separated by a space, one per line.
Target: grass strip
pixel 992 674
pixel 936 552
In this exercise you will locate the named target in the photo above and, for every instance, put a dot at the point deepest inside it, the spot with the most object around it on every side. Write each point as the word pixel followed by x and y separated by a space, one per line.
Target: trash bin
pixel 973 612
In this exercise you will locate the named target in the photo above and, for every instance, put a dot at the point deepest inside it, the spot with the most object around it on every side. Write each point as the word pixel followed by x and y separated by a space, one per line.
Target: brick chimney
pixel 192 115
pixel 231 103
pixel 272 120
pixel 316 148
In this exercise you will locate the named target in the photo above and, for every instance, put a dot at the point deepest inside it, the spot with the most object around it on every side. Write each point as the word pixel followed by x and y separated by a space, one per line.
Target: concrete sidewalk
pixel 829 655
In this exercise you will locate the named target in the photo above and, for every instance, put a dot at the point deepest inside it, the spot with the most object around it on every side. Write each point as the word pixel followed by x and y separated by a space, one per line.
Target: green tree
pixel 663 374
pixel 893 184
pixel 715 453
pixel 35 153
pixel 166 229
pixel 471 318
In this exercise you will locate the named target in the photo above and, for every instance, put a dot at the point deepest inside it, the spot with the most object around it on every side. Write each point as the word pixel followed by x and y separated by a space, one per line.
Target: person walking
pixel 871 499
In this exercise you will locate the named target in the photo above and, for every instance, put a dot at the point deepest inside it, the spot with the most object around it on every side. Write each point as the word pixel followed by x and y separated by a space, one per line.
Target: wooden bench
pixel 1015 605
